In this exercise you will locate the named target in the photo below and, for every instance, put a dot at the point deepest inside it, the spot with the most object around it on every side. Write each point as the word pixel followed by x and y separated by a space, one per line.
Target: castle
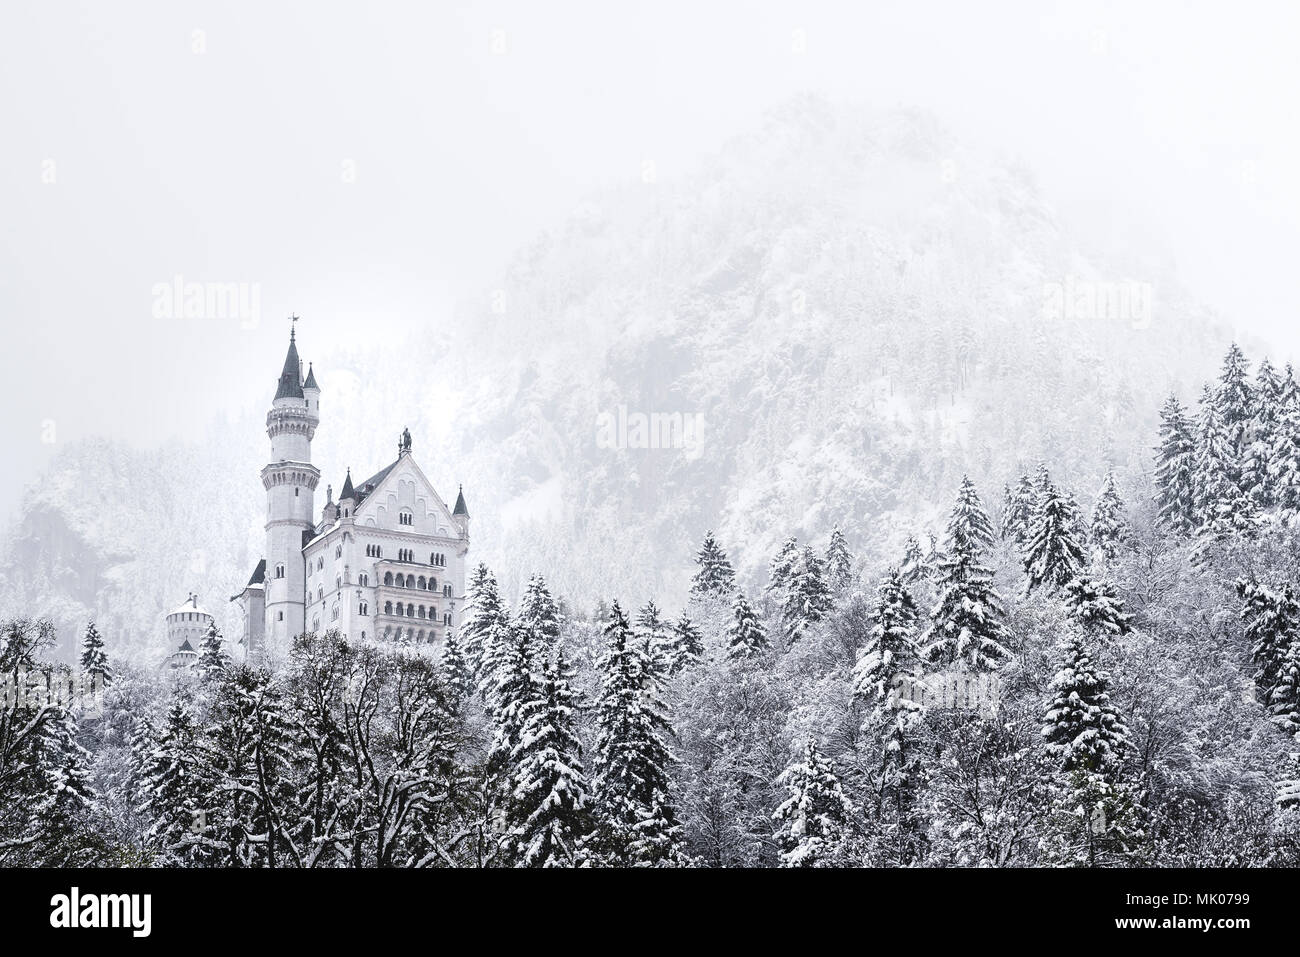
pixel 386 561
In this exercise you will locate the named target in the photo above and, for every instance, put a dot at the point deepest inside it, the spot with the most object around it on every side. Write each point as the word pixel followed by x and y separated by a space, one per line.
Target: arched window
pixel 420 583
pixel 410 611
pixel 338 581
pixel 320 563
pixel 363 609
pixel 420 636
pixel 320 594
pixel 279 571
pixel 334 613
pixel 446 618
pixel 433 584
pixel 363 579
pixel 410 581
pixel 400 610
pixel 420 611
pixel 405 518
pixel 388 578
pixel 388 608
pixel 446 591
pixel 338 551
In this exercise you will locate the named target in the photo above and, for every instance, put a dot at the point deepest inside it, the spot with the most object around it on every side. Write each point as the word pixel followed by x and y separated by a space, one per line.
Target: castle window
pixel 400 610
pixel 420 583
pixel 405 518
pixel 420 636
pixel 363 579
pixel 420 611
pixel 279 616
pixel 320 563
pixel 446 591
pixel 433 584
pixel 279 571
pixel 410 581
pixel 315 624
pixel 334 613
pixel 446 618
pixel 363 636
pixel 338 551
pixel 388 578
pixel 320 594
pixel 410 611
pixel 363 609
pixel 388 608
pixel 338 581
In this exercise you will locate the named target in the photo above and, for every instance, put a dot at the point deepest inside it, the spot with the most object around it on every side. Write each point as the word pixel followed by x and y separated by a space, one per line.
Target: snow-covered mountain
pixel 850 304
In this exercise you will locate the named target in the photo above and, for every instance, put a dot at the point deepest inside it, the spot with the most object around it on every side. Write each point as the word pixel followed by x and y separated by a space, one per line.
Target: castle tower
pixel 290 481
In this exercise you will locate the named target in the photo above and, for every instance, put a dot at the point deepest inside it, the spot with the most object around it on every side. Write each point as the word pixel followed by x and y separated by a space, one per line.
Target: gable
pixel 404 487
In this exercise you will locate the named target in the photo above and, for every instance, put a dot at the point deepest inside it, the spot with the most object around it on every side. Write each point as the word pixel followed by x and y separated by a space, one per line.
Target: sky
pixel 372 167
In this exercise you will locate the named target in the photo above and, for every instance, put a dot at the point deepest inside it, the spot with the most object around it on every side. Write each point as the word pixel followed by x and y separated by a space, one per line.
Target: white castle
pixel 386 561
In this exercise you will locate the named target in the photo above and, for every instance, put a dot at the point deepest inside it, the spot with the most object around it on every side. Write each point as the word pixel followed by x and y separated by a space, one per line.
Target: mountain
pixel 849 304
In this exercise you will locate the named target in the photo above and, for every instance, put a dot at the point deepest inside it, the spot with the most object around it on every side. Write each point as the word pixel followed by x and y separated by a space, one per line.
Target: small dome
pixel 191 607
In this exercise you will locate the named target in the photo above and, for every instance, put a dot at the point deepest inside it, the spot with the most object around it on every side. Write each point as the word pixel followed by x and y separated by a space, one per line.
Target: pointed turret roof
pixel 311 379
pixel 460 508
pixel 291 378
pixel 348 490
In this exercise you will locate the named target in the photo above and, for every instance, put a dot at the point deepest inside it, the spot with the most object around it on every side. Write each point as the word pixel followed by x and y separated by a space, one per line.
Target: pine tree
pixel 178 788
pixel 1234 403
pixel 1284 697
pixel 1018 509
pixel 806 598
pixel 1053 554
pixel 94 662
pixel 1221 508
pixel 455 668
pixel 715 575
pixel 891 649
pixel 539 616
pixel 746 638
pixel 812 820
pixel 966 625
pixel 1175 475
pixel 1284 454
pixel 512 689
pixel 1096 607
pixel 213 660
pixel 913 566
pixel 631 787
pixel 652 630
pixel 839 562
pixel 1266 416
pixel 685 645
pixel 484 610
pixel 65 799
pixel 549 809
pixel 1109 530
pixel 1272 618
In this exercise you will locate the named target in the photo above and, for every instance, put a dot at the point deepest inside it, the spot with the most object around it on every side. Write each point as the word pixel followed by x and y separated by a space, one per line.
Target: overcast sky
pixel 372 165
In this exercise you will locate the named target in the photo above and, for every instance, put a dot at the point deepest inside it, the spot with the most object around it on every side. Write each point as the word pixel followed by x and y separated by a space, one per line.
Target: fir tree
pixel 1096 607
pixel 539 616
pixel 1053 554
pixel 806 598
pixel 1272 618
pixel 1221 508
pixel 631 787
pixel 455 668
pixel 891 649
pixel 1284 454
pixel 839 562
pixel 1266 418
pixel 1018 509
pixel 178 788
pixel 1109 530
pixel 549 807
pixel 913 566
pixel 715 575
pixel 813 819
pixel 652 629
pixel 1234 403
pixel 484 610
pixel 685 645
pixel 966 625
pixel 64 802
pixel 1175 475
pixel 94 662
pixel 746 638
pixel 213 660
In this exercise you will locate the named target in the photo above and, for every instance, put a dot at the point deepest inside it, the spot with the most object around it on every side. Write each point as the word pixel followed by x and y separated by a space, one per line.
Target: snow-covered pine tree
pixel 652 629
pixel 510 666
pixel 1018 510
pixel 1097 607
pixel 1234 401
pixel 1222 510
pixel 913 567
pixel 891 649
pixel 806 599
pixel 811 822
pixel 1093 817
pixel 1284 698
pixel 62 805
pixel 685 645
pixel 1261 434
pixel 483 610
pixel 1109 529
pixel 1053 554
pixel 714 575
pixel 455 668
pixel 1271 615
pixel 213 660
pixel 178 791
pixel 966 625
pixel 839 561
pixel 746 638
pixel 637 824
pixel 548 812
pixel 1175 475
pixel 94 662
pixel 1284 455
pixel 539 616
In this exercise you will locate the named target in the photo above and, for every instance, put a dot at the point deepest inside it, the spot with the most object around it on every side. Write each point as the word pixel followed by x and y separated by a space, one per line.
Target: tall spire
pixel 290 379
pixel 348 491
pixel 460 508
pixel 311 379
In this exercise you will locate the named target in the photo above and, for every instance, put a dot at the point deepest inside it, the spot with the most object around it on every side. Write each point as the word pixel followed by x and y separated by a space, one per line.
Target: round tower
pixel 186 627
pixel 290 481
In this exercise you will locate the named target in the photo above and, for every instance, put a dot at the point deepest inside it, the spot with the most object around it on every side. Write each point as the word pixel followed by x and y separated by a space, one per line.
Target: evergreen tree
pixel 715 575
pixel 1234 403
pixel 652 629
pixel 631 787
pixel 1096 607
pixel 1284 454
pixel 1109 530
pixel 484 610
pixel 539 616
pixel 1221 508
pixel 94 662
pixel 1053 554
pixel 1272 618
pixel 213 660
pixel 891 649
pixel 746 637
pixel 966 625
pixel 1266 418
pixel 839 562
pixel 685 645
pixel 812 820
pixel 1018 510
pixel 549 809
pixel 65 800
pixel 178 791
pixel 913 566
pixel 806 598
pixel 1175 475
pixel 455 668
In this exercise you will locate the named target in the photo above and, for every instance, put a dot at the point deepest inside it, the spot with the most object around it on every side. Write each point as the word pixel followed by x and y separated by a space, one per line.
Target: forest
pixel 1044 682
